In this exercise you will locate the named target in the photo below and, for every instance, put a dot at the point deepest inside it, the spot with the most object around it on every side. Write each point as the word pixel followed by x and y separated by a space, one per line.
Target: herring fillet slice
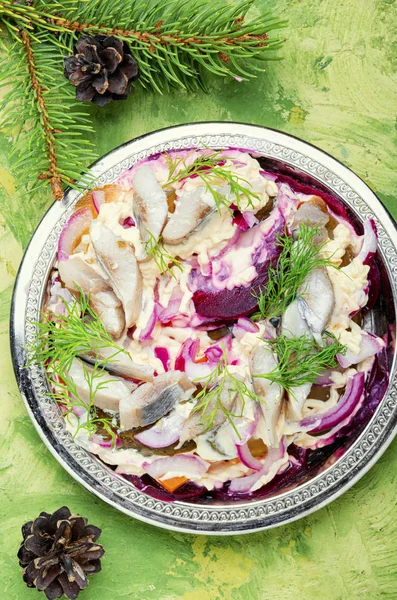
pixel 118 260
pixel 76 272
pixel 151 401
pixel 194 425
pixel 191 211
pixel 316 301
pixel 119 364
pixel 111 389
pixel 263 361
pixel 294 325
pixel 150 203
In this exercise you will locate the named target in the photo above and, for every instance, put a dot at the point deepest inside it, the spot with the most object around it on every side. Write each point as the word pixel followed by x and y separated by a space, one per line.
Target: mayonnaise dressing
pixel 228 270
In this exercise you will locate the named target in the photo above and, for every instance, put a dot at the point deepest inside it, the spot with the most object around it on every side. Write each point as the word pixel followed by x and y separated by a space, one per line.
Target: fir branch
pixel 48 131
pixel 39 113
pixel 173 42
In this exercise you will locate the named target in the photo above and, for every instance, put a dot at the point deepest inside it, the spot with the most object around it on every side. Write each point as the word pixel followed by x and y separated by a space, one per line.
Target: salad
pixel 203 327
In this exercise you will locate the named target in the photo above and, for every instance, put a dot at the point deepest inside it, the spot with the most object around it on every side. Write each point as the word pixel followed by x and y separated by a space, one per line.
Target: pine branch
pixel 173 41
pixel 39 114
pixel 53 173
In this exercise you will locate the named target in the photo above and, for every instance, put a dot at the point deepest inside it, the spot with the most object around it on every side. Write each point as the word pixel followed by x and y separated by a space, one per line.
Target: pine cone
pixel 102 69
pixel 58 551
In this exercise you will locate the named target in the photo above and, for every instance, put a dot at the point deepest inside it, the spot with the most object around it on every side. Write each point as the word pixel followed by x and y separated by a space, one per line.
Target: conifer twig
pixel 173 42
pixel 39 113
pixel 53 174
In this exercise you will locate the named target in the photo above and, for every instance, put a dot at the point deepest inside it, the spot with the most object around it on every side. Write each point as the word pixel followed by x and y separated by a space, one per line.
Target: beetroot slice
pixel 231 304
pixel 147 484
pixel 226 305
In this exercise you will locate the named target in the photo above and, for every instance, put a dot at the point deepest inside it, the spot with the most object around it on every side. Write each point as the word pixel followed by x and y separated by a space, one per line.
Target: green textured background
pixel 337 89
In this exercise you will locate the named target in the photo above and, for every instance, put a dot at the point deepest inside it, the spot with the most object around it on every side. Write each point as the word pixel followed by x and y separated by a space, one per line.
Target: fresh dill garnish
pixel 209 399
pixel 210 169
pixel 301 359
pixel 299 256
pixel 157 251
pixel 62 338
pixel 67 395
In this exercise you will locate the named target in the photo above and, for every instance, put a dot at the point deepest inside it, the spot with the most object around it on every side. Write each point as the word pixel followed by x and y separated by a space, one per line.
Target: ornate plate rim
pixel 88 470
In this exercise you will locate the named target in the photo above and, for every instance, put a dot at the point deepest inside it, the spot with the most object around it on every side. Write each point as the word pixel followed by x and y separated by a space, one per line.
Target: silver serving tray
pixel 277 149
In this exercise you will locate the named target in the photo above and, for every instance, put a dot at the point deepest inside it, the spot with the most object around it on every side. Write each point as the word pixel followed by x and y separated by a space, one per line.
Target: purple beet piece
pixel 373 286
pixel 226 305
pixel 231 304
pixel 147 484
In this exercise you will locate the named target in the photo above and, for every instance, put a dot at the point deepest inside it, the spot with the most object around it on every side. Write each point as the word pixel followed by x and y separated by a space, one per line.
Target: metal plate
pixel 277 149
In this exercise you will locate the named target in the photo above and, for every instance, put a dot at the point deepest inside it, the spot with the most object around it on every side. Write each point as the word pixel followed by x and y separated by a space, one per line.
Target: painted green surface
pixel 336 88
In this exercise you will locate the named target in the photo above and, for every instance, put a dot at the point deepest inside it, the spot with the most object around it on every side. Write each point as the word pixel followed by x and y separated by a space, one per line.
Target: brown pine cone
pixel 102 69
pixel 57 553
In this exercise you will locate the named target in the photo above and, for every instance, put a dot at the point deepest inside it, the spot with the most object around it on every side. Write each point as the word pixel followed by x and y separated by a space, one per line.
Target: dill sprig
pixel 157 251
pixel 301 359
pixel 66 393
pixel 210 168
pixel 62 338
pixel 298 258
pixel 209 399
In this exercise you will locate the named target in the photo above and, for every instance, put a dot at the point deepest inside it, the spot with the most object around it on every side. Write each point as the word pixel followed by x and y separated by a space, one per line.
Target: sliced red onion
pixel 187 464
pixel 162 354
pixel 245 456
pixel 57 298
pixel 239 220
pixel 188 352
pixel 185 360
pixel 244 484
pixel 98 198
pixel 146 333
pixel 75 228
pixel 246 428
pixel 268 175
pixel 244 220
pixel 127 223
pixel 79 411
pixel 214 353
pixel 244 326
pixel 181 321
pixel 370 345
pixel 324 378
pixel 167 314
pixel 370 242
pixel 250 218
pixel 345 406
pixel 100 440
pixel 166 434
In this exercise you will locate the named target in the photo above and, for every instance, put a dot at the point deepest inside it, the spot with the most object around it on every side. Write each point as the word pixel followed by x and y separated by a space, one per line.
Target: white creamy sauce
pixel 226 270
